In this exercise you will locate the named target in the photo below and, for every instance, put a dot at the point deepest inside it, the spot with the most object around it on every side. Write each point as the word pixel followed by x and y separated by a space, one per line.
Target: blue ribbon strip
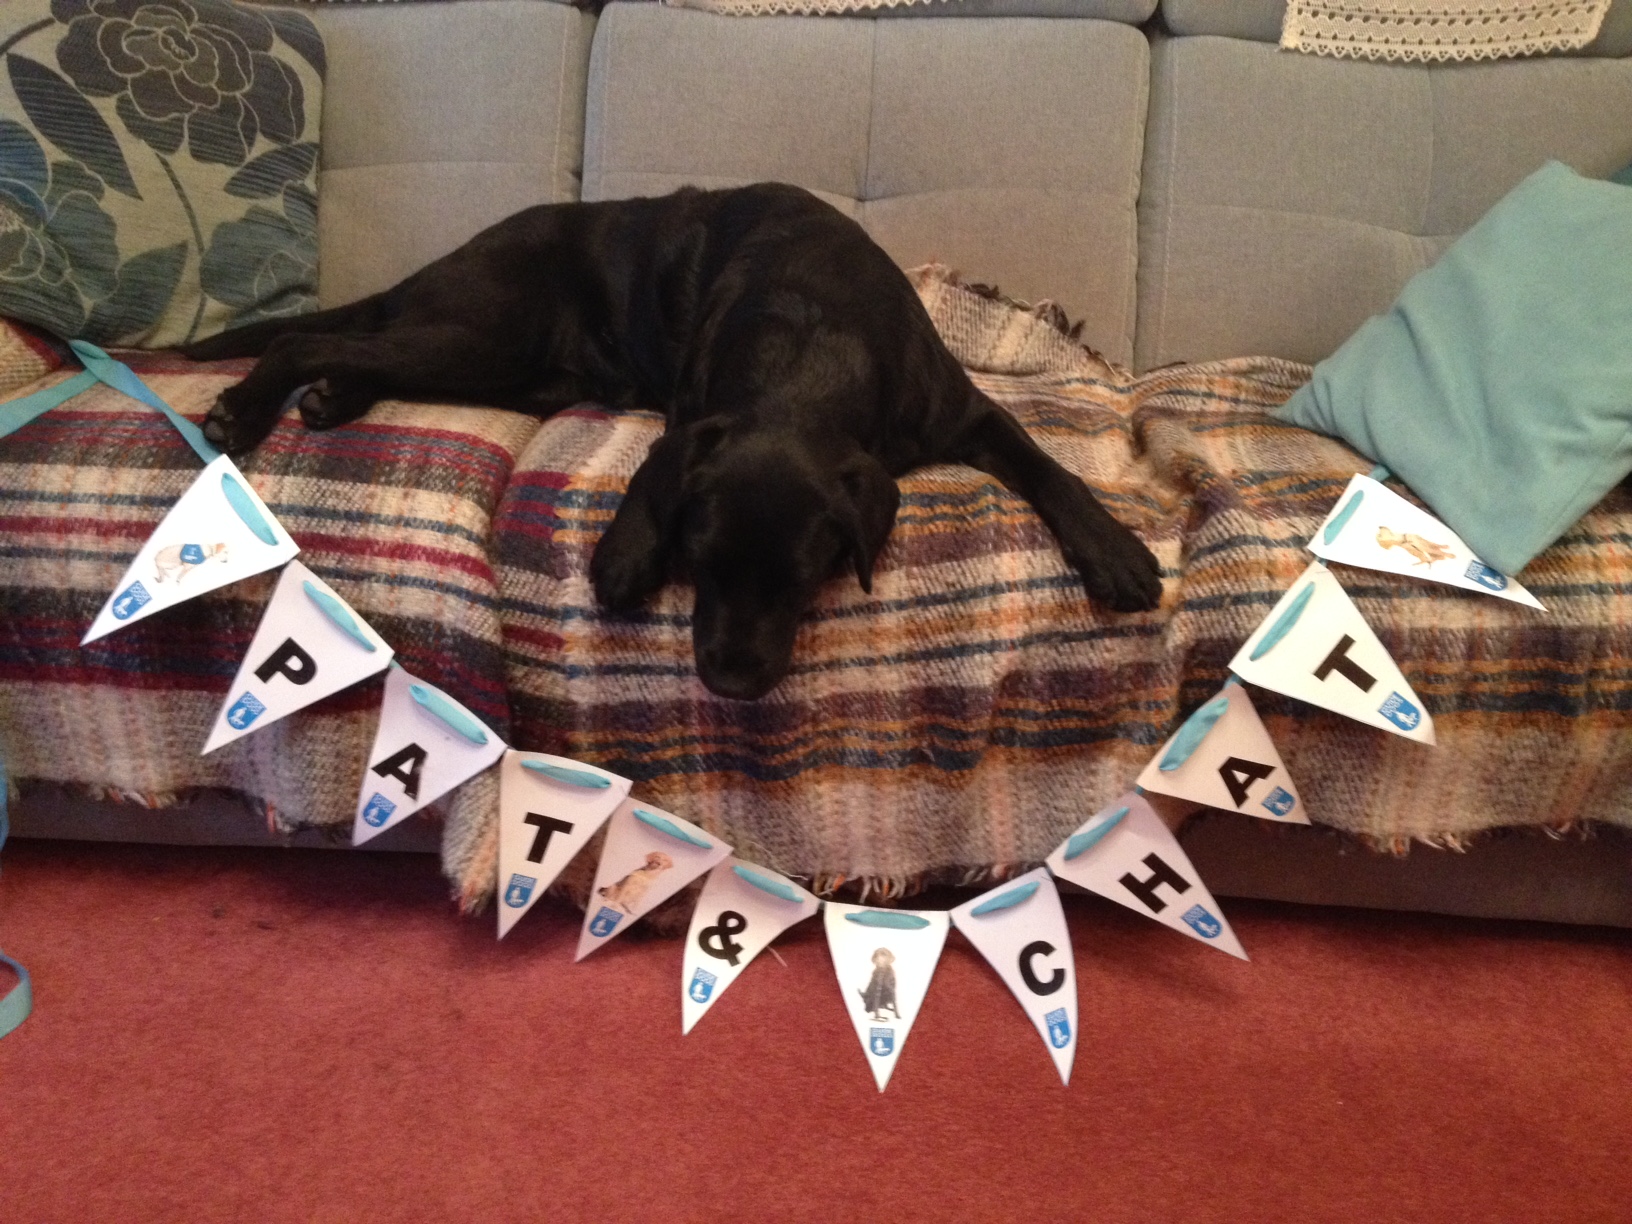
pixel 664 825
pixel 19 1000
pixel 766 884
pixel 99 367
pixel 888 918
pixel 121 377
pixel 14 414
pixel 572 777
pixel 1007 900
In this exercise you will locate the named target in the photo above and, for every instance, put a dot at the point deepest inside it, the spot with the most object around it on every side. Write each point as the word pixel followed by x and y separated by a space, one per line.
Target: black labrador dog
pixel 797 368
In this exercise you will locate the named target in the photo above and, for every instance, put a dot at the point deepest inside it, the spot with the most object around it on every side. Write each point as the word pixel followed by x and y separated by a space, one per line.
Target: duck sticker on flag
pixel 426 745
pixel 1222 757
pixel 218 532
pixel 1374 527
pixel 310 643
pixel 1019 927
pixel 549 806
pixel 884 960
pixel 1315 646
pixel 741 909
pixel 1127 853
pixel 649 856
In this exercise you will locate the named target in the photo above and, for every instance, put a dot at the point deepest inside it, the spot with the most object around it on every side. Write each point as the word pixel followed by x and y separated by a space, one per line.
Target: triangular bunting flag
pixel 309 644
pixel 1019 927
pixel 549 807
pixel 1223 757
pixel 884 960
pixel 218 532
pixel 427 744
pixel 742 908
pixel 1126 852
pixel 1373 526
pixel 649 856
pixel 1317 647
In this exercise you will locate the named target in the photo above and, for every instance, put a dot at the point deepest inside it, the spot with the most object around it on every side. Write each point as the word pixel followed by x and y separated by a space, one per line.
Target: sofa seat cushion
pixel 976 706
pixel 394 512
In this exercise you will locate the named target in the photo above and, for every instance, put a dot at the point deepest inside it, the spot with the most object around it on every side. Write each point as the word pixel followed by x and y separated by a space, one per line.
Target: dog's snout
pixel 729 669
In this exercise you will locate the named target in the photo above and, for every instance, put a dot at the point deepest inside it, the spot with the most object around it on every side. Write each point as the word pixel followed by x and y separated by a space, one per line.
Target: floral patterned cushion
pixel 158 166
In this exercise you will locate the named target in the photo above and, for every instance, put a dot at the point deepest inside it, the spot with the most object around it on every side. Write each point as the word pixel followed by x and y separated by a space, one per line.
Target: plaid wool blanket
pixel 952 726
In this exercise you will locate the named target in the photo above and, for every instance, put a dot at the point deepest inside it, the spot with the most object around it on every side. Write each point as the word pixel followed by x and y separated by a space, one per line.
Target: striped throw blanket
pixel 952 726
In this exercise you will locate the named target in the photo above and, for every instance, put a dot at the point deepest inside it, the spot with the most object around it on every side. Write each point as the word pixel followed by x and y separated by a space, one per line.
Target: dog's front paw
pixel 324 405
pixel 1119 571
pixel 623 574
pixel 237 424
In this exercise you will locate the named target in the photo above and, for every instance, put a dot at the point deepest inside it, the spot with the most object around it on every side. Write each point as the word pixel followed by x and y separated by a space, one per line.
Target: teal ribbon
pixel 121 377
pixel 19 1000
pixel 99 367
pixel 14 414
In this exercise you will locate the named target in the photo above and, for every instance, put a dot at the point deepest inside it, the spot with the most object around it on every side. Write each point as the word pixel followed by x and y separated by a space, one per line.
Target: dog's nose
pixel 736 673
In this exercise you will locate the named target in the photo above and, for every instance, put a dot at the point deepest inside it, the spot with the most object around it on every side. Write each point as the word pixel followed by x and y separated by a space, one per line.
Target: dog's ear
pixel 866 506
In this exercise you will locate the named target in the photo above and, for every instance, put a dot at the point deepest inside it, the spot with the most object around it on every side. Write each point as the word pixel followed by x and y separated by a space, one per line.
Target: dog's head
pixel 766 517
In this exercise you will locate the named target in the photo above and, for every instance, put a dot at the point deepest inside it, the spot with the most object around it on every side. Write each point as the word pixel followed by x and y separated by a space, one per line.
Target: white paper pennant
pixel 218 532
pixel 1019 927
pixel 1223 757
pixel 884 960
pixel 1316 646
pixel 1126 852
pixel 741 909
pixel 426 745
pixel 1373 526
pixel 649 856
pixel 549 806
pixel 310 643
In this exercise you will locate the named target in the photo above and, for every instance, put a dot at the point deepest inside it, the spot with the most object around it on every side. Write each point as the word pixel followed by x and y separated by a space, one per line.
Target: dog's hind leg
pixel 416 362
pixel 1116 567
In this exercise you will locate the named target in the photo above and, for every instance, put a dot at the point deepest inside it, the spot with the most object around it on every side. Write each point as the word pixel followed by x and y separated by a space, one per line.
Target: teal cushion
pixel 1499 386
pixel 158 166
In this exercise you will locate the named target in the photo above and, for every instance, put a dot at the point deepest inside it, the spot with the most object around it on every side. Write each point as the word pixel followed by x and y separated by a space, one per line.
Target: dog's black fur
pixel 799 373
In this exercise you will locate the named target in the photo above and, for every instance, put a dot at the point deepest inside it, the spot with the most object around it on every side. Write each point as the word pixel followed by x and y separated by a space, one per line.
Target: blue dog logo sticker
pixel 519 890
pixel 245 711
pixel 1203 923
pixel 130 601
pixel 1280 801
pixel 378 811
pixel 1491 580
pixel 1400 712
pixel 881 1042
pixel 702 986
pixel 605 922
pixel 1059 1028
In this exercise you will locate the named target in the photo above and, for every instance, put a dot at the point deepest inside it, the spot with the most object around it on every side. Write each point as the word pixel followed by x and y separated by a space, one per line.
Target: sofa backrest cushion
pixel 1261 20
pixel 1287 197
pixel 1009 149
pixel 440 120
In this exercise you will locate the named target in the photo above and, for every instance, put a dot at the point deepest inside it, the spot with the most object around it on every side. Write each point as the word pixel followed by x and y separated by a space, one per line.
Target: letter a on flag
pixel 1127 853
pixel 549 806
pixel 427 744
pixel 1315 645
pixel 1019 927
pixel 1375 527
pixel 741 909
pixel 884 960
pixel 218 532
pixel 649 856
pixel 1223 757
pixel 309 644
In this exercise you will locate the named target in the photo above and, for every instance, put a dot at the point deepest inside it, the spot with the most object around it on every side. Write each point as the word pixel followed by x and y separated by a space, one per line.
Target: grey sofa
pixel 1171 178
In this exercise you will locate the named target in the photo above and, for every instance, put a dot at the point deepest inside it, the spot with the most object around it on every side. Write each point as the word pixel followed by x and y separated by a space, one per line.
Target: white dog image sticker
pixel 178 560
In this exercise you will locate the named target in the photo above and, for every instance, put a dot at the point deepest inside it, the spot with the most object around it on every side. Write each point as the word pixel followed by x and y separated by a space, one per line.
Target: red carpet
pixel 300 1035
